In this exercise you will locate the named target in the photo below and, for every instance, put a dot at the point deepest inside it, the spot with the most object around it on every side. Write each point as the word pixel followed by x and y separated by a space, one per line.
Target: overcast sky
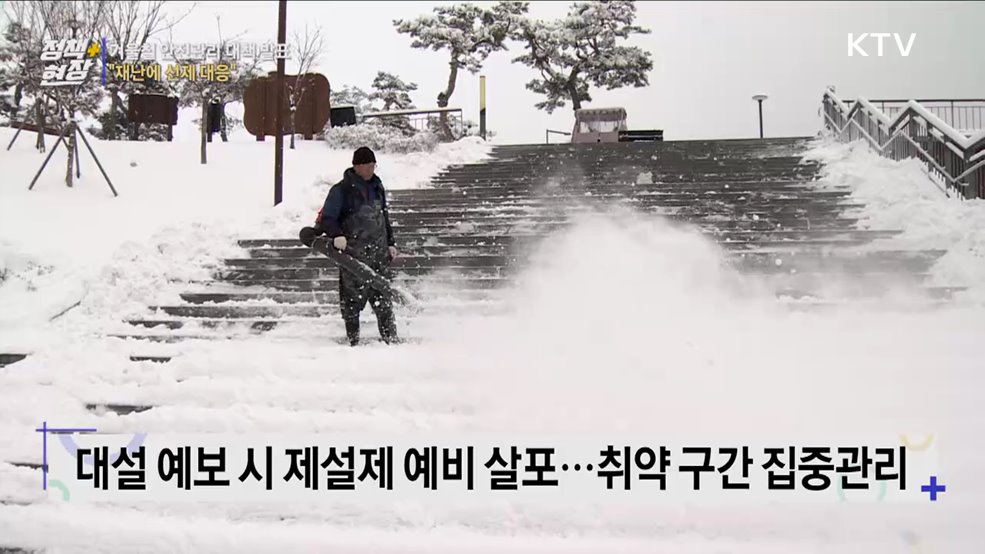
pixel 709 59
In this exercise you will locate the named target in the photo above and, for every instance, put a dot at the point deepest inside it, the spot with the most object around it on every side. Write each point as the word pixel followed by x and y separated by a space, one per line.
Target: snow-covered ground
pixel 660 339
pixel 173 219
pixel 900 195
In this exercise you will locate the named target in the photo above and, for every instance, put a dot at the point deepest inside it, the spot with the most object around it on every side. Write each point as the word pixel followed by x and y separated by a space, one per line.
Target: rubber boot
pixel 352 331
pixel 388 327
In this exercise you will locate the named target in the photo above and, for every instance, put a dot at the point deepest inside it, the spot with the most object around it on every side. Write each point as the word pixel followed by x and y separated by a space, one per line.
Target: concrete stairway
pixel 756 198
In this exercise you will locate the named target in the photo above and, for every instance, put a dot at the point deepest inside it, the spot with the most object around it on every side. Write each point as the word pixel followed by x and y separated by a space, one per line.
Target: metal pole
pixel 78 168
pixel 279 102
pixel 482 106
pixel 19 129
pixel 46 160
pixel 61 137
pixel 95 159
pixel 760 119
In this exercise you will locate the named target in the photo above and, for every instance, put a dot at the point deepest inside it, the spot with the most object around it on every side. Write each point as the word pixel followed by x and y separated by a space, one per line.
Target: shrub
pixel 379 137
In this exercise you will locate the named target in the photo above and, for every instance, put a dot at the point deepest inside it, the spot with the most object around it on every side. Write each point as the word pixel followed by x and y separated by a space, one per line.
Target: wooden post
pixel 205 117
pixel 279 103
pixel 482 106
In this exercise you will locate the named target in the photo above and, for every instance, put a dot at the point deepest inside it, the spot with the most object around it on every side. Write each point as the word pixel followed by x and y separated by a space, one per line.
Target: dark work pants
pixel 353 297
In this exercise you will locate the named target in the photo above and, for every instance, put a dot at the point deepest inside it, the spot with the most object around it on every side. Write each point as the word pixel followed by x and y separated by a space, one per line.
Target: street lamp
pixel 759 98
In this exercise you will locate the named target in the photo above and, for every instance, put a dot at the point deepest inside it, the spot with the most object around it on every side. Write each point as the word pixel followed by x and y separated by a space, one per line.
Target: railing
pixel 547 135
pixel 967 116
pixel 955 160
pixel 424 119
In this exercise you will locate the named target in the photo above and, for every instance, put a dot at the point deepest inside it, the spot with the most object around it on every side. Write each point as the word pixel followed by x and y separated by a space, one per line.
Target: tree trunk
pixel 573 89
pixel 39 117
pixel 205 122
pixel 575 101
pixel 224 126
pixel 293 112
pixel 116 108
pixel 70 144
pixel 445 96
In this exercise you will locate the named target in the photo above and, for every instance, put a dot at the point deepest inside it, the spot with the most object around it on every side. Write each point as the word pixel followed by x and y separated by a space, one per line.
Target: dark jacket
pixel 346 197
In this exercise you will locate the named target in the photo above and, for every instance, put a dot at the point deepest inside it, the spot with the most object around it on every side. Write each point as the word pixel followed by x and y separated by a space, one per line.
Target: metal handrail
pixel 967 115
pixel 950 156
pixel 547 135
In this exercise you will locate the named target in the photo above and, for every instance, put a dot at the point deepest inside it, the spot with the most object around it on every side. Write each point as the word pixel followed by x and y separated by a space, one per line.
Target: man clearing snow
pixel 356 218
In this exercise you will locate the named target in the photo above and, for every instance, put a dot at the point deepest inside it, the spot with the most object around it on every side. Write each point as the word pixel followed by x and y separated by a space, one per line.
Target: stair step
pixel 765 222
pixel 494 261
pixel 28 465
pixel 321 297
pixel 445 251
pixel 634 190
pixel 694 210
pixel 816 278
pixel 319 272
pixel 155 359
pixel 326 284
pixel 230 312
pixel 778 208
pixel 314 269
pixel 406 261
pixel 8 359
pixel 118 409
pixel 178 337
pixel 718 234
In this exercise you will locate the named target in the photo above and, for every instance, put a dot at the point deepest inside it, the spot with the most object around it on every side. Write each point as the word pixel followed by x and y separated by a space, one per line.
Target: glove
pixel 339 242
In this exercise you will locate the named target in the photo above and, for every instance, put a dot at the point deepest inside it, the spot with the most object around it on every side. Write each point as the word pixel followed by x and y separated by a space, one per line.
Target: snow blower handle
pixel 308 235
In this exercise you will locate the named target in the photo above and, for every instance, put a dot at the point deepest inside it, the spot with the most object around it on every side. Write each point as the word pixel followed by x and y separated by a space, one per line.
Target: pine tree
pixel 468 32
pixel 395 95
pixel 348 95
pixel 583 50
pixel 392 91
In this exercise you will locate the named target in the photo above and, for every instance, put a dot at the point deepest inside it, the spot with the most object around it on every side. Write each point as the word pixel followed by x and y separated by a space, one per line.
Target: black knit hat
pixel 363 155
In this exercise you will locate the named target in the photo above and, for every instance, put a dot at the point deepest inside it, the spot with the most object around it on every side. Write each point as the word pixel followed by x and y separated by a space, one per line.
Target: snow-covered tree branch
pixel 395 95
pixel 468 32
pixel 348 95
pixel 582 50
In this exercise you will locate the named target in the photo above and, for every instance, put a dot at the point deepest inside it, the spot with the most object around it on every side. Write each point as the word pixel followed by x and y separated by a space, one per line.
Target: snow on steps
pixel 766 210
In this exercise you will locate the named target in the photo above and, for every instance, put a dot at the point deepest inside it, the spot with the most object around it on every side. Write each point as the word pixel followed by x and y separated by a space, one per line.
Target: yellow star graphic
pixel 93 50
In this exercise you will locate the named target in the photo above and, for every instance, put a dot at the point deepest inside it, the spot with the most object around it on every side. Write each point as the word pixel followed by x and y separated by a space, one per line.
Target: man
pixel 355 216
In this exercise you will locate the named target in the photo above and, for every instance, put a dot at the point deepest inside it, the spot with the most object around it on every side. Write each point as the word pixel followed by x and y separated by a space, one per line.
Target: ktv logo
pixel 855 43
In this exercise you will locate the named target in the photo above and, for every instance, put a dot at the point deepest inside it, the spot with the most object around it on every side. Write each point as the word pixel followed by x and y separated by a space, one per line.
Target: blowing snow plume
pixel 626 322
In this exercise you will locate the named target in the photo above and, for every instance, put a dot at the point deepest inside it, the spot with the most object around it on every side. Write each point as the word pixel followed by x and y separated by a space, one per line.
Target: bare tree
pixel 306 48
pixel 132 23
pixel 22 53
pixel 204 92
pixel 43 20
